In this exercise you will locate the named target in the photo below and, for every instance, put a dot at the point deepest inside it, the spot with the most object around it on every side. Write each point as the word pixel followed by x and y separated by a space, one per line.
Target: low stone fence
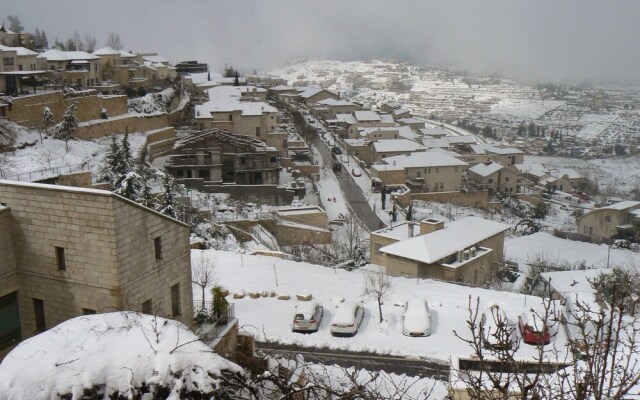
pixel 479 199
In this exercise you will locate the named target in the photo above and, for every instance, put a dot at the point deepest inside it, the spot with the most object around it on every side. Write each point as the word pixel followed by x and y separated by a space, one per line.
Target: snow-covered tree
pixel 110 162
pixel 125 162
pixel 69 124
pixel 378 285
pixel 47 120
pixel 128 185
pixel 167 204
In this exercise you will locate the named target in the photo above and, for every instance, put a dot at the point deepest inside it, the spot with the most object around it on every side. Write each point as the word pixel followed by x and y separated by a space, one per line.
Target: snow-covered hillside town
pixel 272 201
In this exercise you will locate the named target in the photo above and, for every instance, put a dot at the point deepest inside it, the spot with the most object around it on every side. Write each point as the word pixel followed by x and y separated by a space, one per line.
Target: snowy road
pixel 351 191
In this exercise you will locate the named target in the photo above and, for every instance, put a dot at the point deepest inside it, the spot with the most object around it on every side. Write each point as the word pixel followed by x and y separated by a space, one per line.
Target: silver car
pixel 307 317
pixel 347 319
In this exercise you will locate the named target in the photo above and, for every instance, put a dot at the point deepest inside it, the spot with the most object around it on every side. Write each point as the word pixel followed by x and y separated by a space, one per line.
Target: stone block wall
pixel 107 127
pixel 471 199
pixel 27 110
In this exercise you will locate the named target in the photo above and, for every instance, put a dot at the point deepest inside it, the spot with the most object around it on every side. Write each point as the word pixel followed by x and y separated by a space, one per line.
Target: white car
pixel 347 319
pixel 307 317
pixel 497 331
pixel 417 320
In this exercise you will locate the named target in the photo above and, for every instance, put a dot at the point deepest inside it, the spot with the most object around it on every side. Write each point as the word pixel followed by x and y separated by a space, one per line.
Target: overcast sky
pixel 531 40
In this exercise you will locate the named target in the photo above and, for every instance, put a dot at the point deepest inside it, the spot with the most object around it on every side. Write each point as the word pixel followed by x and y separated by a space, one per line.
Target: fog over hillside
pixel 541 40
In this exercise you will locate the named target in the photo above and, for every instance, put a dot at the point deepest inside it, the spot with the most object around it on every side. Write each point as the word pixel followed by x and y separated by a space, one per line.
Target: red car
pixel 533 329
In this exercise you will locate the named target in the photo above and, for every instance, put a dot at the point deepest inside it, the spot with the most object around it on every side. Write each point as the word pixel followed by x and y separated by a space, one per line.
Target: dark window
pixel 38 311
pixel 175 300
pixel 62 264
pixel 20 67
pixel 157 244
pixel 147 307
pixel 257 131
pixel 7 61
pixel 88 311
pixel 180 173
pixel 230 117
pixel 10 327
pixel 189 174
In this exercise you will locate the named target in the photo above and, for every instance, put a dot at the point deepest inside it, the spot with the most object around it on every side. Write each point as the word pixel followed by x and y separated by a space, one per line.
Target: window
pixel 147 307
pixel 490 180
pixel 157 244
pixel 20 68
pixel 62 264
pixel 38 311
pixel 88 311
pixel 257 131
pixel 180 173
pixel 506 179
pixel 607 219
pixel 428 170
pixel 591 230
pixel 441 185
pixel 437 170
pixel 7 61
pixel 419 174
pixel 52 68
pixel 230 117
pixel 175 300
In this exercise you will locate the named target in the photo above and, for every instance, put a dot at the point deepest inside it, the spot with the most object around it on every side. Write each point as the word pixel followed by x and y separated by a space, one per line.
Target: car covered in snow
pixel 347 319
pixel 416 320
pixel 308 315
pixel 336 150
pixel 496 331
pixel 533 329
pixel 356 172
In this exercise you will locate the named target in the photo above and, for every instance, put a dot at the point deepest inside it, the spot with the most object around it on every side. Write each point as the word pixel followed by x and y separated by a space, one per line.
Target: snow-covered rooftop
pixel 399 232
pixel 281 88
pixel 623 205
pixel 246 108
pixel 435 143
pixel 487 148
pixel 486 169
pixel 435 246
pixel 334 102
pixel 366 116
pixel 60 55
pixel 20 51
pixel 411 120
pixel 394 145
pixel 424 159
pixel 434 131
pixel 346 118
pixel 155 59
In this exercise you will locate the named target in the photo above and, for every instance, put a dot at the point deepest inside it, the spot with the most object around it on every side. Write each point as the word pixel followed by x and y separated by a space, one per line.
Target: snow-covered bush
pixel 119 355
pixel 152 103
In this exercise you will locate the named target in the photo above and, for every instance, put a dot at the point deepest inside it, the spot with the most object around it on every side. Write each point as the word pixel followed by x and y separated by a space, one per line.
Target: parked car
pixel 356 172
pixel 533 329
pixel 496 331
pixel 336 150
pixel 307 317
pixel 416 320
pixel 347 319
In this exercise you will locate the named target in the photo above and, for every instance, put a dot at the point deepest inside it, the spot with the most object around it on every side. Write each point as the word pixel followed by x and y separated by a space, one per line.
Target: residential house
pixel 67 251
pixel 430 171
pixel 17 63
pixel 478 153
pixel 191 67
pixel 265 80
pixel 329 108
pixel 14 39
pixel 619 220
pixel 222 157
pixel 465 250
pixel 381 149
pixel 315 94
pixel 414 123
pixel 76 68
pixel 158 67
pixel 494 175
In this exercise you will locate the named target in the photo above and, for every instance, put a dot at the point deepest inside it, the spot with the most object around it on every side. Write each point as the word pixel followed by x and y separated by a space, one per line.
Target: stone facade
pixel 131 123
pixel 84 250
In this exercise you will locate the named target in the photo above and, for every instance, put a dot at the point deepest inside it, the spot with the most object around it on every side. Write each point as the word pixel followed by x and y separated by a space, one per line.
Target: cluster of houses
pixel 106 70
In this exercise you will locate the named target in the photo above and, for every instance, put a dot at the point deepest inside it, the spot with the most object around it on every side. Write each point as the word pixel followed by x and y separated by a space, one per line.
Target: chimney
pixel 430 225
pixel 410 227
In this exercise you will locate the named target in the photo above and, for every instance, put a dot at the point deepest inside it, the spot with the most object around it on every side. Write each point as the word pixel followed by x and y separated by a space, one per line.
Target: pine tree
pixel 236 81
pixel 129 186
pixel 47 120
pixel 167 205
pixel 110 163
pixel 125 164
pixel 69 125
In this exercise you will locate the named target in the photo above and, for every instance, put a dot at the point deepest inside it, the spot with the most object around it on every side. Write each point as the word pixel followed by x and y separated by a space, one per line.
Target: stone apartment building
pixel 77 68
pixel 219 156
pixel 16 63
pixel 494 175
pixel 248 118
pixel 430 171
pixel 67 251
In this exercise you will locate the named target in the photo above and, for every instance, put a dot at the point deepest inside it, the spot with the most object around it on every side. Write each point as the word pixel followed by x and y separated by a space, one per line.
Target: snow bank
pixel 110 353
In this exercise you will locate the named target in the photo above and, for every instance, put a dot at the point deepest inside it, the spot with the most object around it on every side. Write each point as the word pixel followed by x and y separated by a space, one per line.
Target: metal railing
pixel 47 173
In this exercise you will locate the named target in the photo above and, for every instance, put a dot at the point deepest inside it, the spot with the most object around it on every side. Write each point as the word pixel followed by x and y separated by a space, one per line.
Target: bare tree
pixel 203 272
pixel 350 241
pixel 114 41
pixel 46 156
pixel 378 285
pixel 77 41
pixel 89 43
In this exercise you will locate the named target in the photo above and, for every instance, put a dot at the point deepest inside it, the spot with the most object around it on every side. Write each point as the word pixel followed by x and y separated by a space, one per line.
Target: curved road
pixel 369 361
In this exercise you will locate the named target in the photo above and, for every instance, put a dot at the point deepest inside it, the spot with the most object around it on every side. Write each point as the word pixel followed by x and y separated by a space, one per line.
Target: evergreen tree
pixel 167 205
pixel 43 40
pixel 236 81
pixel 125 162
pixel 69 125
pixel 47 120
pixel 129 186
pixel 383 196
pixel 110 163
pixel 410 212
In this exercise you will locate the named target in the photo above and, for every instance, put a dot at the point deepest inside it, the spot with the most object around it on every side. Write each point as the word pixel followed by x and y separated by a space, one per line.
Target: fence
pixel 48 173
